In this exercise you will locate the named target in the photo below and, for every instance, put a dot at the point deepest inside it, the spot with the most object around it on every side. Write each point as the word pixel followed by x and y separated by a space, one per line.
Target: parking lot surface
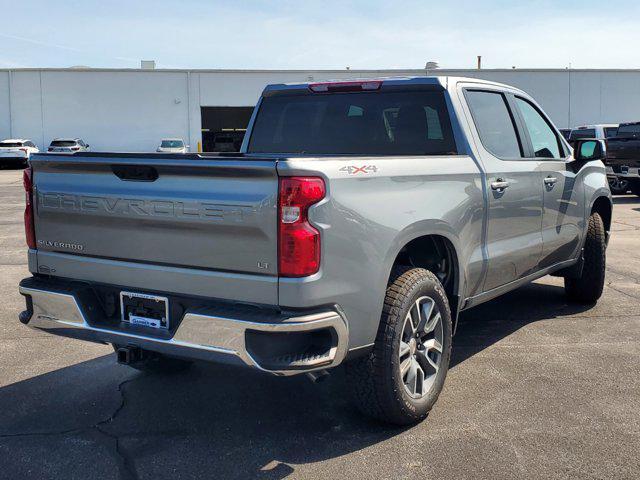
pixel 538 388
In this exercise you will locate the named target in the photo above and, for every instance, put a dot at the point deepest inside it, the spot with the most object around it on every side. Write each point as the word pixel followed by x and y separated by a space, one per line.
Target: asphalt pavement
pixel 539 388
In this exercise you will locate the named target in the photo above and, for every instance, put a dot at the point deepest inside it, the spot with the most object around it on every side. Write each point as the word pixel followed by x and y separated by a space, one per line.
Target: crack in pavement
pixel 635 297
pixel 126 468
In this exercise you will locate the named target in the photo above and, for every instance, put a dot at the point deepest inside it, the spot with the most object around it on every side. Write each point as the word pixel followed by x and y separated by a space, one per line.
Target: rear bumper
pixel 278 343
pixel 618 172
pixel 13 159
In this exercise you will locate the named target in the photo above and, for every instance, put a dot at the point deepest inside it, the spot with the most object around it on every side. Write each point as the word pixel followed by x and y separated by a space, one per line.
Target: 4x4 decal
pixel 364 169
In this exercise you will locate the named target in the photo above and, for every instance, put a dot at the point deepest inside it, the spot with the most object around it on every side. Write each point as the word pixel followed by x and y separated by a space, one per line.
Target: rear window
pixel 172 144
pixel 63 143
pixel 610 132
pixel 360 123
pixel 582 133
pixel 10 144
pixel 629 130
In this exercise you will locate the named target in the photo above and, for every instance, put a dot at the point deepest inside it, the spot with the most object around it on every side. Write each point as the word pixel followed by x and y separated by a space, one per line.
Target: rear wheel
pixel 400 380
pixel 634 186
pixel 618 186
pixel 587 288
pixel 153 362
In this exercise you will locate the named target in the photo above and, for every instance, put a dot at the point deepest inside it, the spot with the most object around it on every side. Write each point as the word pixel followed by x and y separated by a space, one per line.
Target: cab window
pixel 494 123
pixel 544 140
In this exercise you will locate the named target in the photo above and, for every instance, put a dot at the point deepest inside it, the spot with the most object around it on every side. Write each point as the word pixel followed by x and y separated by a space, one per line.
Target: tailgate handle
pixel 135 173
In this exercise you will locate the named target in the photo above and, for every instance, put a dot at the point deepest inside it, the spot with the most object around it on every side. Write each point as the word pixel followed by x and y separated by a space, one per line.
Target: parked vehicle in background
pixel 16 151
pixel 623 157
pixel 565 132
pixel 172 145
pixel 228 140
pixel 358 220
pixel 68 145
pixel 601 131
pixel 618 185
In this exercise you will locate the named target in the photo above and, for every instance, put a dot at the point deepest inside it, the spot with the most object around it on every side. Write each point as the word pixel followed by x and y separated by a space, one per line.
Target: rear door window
pixel 494 123
pixel 360 123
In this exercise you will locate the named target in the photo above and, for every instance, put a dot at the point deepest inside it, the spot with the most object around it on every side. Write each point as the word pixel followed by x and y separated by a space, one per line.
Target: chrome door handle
pixel 550 181
pixel 499 185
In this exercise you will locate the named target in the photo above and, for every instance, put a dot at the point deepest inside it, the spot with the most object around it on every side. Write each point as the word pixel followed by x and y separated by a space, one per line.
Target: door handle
pixel 499 185
pixel 550 181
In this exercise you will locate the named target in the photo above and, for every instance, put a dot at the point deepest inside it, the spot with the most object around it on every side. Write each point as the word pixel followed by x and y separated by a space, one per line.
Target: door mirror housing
pixel 592 149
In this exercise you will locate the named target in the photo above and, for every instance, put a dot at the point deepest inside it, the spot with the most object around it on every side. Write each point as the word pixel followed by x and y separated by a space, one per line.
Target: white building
pixel 130 110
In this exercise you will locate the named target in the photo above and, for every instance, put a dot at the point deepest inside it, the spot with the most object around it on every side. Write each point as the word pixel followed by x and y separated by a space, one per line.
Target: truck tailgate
pixel 623 151
pixel 207 213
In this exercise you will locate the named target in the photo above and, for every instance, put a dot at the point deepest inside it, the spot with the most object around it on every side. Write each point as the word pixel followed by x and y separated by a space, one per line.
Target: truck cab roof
pixel 439 81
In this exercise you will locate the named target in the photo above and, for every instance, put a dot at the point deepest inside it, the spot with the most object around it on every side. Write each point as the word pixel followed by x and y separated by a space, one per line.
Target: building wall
pixel 130 110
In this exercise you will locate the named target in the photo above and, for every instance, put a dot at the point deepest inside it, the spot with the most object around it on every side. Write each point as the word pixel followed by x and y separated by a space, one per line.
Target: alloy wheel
pixel 421 347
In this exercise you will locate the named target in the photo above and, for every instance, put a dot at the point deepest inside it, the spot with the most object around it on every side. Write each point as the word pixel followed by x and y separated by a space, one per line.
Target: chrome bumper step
pixel 202 335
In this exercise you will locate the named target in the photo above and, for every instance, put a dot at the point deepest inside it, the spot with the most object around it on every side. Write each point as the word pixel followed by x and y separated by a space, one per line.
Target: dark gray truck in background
pixel 359 220
pixel 623 156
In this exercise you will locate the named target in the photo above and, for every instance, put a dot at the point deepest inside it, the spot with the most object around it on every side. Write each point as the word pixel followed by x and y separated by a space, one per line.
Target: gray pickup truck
pixel 356 224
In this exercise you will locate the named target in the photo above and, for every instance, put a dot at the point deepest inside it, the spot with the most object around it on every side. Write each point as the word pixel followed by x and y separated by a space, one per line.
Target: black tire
pixel 618 186
pixel 153 362
pixel 377 385
pixel 634 186
pixel 588 287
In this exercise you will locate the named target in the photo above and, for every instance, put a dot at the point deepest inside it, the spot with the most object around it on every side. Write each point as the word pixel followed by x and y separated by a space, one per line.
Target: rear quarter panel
pixel 366 219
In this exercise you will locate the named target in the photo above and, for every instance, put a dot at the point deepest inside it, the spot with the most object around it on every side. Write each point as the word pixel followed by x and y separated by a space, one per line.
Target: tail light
pixel 327 87
pixel 29 230
pixel 24 150
pixel 298 240
pixel 75 149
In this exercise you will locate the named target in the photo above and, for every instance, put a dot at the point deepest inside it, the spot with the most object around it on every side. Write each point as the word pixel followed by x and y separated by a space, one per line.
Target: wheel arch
pixel 604 207
pixel 426 249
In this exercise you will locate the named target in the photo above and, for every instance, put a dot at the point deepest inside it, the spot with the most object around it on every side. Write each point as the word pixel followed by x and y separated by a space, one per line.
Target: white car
pixel 17 151
pixel 172 145
pixel 602 131
pixel 67 145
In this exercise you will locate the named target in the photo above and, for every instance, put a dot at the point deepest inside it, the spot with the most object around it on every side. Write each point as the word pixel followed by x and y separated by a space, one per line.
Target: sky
pixel 255 34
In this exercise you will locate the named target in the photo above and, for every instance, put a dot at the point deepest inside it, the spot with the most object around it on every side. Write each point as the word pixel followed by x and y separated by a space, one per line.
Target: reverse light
pixel 29 229
pixel 326 87
pixel 298 240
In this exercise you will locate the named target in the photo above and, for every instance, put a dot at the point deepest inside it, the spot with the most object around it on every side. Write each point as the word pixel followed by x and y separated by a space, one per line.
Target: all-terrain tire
pixel 157 363
pixel 375 380
pixel 588 287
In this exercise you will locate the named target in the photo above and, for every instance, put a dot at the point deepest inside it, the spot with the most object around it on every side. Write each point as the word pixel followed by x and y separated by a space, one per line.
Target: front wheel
pixel 587 288
pixel 400 380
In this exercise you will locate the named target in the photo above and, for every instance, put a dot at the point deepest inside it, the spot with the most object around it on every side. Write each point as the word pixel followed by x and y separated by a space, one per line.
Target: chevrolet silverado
pixel 357 222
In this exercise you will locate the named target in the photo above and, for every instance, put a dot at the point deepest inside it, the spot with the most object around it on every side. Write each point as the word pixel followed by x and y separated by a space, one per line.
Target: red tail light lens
pixel 299 241
pixel 30 233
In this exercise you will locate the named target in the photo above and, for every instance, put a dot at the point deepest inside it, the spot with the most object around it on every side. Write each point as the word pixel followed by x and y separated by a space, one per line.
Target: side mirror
pixel 587 150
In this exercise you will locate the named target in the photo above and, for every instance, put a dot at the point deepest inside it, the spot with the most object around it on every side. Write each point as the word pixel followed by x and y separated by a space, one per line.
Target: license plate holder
pixel 144 310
